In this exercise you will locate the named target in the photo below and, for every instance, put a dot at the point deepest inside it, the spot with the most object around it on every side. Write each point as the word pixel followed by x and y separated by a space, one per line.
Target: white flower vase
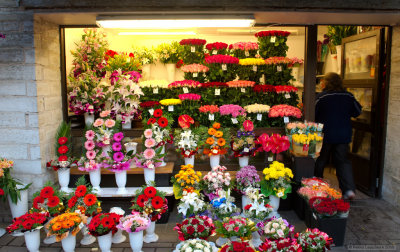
pixel 118 237
pixel 146 71
pixel 87 238
pixel 127 124
pixel 214 160
pixel 162 153
pixel 245 201
pixel 95 179
pixel 274 202
pixel 105 242
pixel 21 207
pixel 63 179
pixel 105 150
pixel 131 146
pixel 221 241
pixel 189 160
pixel 68 243
pixel 136 241
pixel 120 179
pixel 32 240
pixel 89 119
pixel 151 236
pixel 256 239
pixel 243 161
pixel 2 232
pixel 170 72
pixel 149 175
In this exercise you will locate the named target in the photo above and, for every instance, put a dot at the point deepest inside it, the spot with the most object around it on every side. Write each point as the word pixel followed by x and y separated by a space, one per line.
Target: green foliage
pixel 169 53
pixel 337 32
pixel 190 57
pixel 275 77
pixel 217 74
pixel 241 54
pixel 246 72
pixel 144 55
pixel 269 49
pixel 201 77
pixel 124 62
pixel 9 185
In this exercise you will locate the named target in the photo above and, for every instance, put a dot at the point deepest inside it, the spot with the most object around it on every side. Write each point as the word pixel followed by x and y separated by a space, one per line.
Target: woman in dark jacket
pixel 334 108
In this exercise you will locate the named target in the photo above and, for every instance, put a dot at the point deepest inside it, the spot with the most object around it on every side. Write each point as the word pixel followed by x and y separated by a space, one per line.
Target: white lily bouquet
pixel 187 141
pixel 259 209
pixel 191 204
pixel 223 206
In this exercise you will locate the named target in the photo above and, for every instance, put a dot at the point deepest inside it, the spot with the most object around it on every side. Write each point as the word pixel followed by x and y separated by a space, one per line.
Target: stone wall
pixel 391 177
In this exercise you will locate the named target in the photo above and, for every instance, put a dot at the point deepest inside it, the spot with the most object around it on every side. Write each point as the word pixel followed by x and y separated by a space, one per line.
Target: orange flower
pixel 56 226
pixel 76 219
pixel 221 142
pixel 218 133
pixel 68 223
pixel 216 125
pixel 206 151
pixel 211 131
pixel 210 141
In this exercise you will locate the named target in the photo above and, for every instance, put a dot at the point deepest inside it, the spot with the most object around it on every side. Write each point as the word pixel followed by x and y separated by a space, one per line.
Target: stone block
pixel 18 103
pixel 27 166
pixel 33 120
pixel 19 136
pixel 34 152
pixel 14 151
pixel 30 56
pixel 12 119
pixel 7 26
pixel 52 102
pixel 31 88
pixel 16 39
pixel 11 55
pixel 17 72
pixel 12 87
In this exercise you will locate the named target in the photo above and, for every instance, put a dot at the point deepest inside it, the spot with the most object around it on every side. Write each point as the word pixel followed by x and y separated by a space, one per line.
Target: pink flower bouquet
pixel 117 160
pixel 283 110
pixel 195 72
pixel 221 67
pixel 133 223
pixel 91 153
pixel 243 50
pixel 240 83
pixel 274 143
pixel 232 114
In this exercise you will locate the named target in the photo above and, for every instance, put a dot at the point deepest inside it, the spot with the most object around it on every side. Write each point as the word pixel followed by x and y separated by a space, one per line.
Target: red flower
pixel 150 192
pixel 141 200
pixel 47 192
pixel 107 222
pixel 195 221
pixel 62 140
pixel 63 149
pixel 190 230
pixel 151 121
pixel 131 55
pixel 72 201
pixel 157 202
pixel 163 122
pixel 158 113
pixel 53 201
pixel 36 201
pixel 185 121
pixel 62 158
pixel 200 228
pixel 179 63
pixel 238 246
pixel 80 191
pixel 247 207
pixel 28 223
pixel 95 221
pixel 90 199
pixel 1 192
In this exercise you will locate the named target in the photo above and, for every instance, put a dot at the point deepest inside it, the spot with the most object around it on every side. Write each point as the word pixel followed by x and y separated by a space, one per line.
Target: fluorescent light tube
pixel 157 33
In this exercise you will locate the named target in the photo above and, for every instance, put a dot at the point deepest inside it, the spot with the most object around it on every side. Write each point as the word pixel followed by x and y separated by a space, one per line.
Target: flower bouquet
pixel 63 148
pixel 243 144
pixel 235 226
pixel 278 71
pixel 66 224
pixel 237 246
pixel 169 53
pixel 103 223
pixel 216 180
pixel 183 87
pixel 216 143
pixel 327 207
pixel 186 140
pixel 274 143
pixel 239 92
pixel 313 182
pixel 302 143
pixel 221 67
pixel 148 108
pixel 243 50
pixel 104 128
pixel 28 222
pixel 134 222
pixel 172 110
pixel 222 206
pixel 232 114
pixel 286 95
pixel 151 157
pixel 247 177
pixel 195 72
pixel 217 48
pixel 9 187
pixel 118 159
pixel 277 180
pixel 313 240
pixel 191 204
pixel 280 245
pixel 83 200
pixel 208 114
pixel 283 111
pixel 48 200
pixel 258 114
pixel 190 104
pixel 193 50
pixel 214 93
pixel 258 210
pixel 150 202
pixel 197 245
pixel 275 228
pixel 251 69
pixel 92 157
pixel 200 227
pixel 272 43
pixel 121 61
pixel 187 180
pixel 145 55
pixel 154 90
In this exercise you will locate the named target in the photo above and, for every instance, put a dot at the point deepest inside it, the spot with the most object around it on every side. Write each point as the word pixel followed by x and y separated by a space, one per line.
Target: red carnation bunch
pixel 48 200
pixel 193 42
pixel 149 104
pixel 83 199
pixel 28 222
pixel 104 223
pixel 272 33
pixel 237 246
pixel 221 59
pixel 150 202
pixel 194 227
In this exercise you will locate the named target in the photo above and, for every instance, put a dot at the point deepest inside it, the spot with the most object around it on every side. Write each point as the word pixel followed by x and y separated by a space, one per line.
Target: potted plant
pixel 208 114
pixel 134 225
pixel 312 240
pixel 243 143
pixel 103 226
pixel 191 204
pixel 29 224
pixel 196 245
pixel 201 227
pixel 285 112
pixel 240 92
pixel 187 180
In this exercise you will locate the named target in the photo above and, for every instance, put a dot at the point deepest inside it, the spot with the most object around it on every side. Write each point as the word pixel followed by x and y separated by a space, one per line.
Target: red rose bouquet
pixel 314 240
pixel 200 227
pixel 48 200
pixel 327 207
pixel 192 50
pixel 103 223
pixel 217 48
pixel 28 222
pixel 272 43
pixel 221 67
pixel 150 202
pixel 83 199
pixel 280 245
pixel 63 148
pixel 237 246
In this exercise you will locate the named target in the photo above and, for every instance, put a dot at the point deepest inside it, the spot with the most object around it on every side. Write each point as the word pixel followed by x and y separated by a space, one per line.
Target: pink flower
pixel 118 136
pixel 194 68
pixel 283 110
pixel 149 153
pixel 91 154
pixel 209 109
pixel 148 133
pixel 244 46
pixel 232 109
pixel 149 143
pixel 117 146
pixel 236 229
pixel 184 83
pixel 110 123
pixel 105 113
pixel 193 97
pixel 89 145
pixel 118 156
pixel 89 135
pixel 240 83
pixel 221 59
pixel 99 122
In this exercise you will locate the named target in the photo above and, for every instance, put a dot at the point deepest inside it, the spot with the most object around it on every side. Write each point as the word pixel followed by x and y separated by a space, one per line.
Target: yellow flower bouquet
pixel 301 144
pixel 251 69
pixel 276 180
pixel 186 180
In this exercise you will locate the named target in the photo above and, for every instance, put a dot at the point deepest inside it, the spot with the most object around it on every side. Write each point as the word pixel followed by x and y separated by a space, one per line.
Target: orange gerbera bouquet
pixel 61 225
pixel 216 140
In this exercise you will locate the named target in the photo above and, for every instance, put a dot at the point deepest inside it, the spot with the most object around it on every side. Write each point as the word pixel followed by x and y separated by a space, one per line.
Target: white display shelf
pixel 109 192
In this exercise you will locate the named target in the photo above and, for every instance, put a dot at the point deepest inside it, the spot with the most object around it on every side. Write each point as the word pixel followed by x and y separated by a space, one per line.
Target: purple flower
pixel 118 137
pixel 118 156
pixel 116 146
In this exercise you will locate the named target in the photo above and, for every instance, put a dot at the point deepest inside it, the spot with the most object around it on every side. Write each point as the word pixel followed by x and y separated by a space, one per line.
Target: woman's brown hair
pixel 333 82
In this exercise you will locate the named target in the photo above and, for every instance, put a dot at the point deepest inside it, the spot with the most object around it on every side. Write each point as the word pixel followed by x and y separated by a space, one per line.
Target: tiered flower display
pixel 191 204
pixel 193 50
pixel 195 72
pixel 251 69
pixel 187 180
pixel 235 226
pixel 277 180
pixel 217 48
pixel 201 227
pixel 222 68
pixel 48 200
pixel 312 240
pixel 103 223
pixel 28 222
pixel 243 50
pixel 243 144
pixel 62 225
pixel 150 202
pixel 272 43
pixel 216 140
pixel 278 70
pixel 83 200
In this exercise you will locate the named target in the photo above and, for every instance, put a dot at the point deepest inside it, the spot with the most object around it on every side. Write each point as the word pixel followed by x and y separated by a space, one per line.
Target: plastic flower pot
pixel 127 124
pixel 136 241
pixel 63 179
pixel 105 242
pixel 151 236
pixel 68 243
pixel 274 202
pixel 335 227
pixel 189 160
pixel 118 237
pixel 89 119
pixel 245 201
pixel 95 179
pixel 87 238
pixel 149 175
pixel 214 160
pixel 170 71
pixel 21 207
pixel 163 152
pixel 32 240
pixel 120 179
pixel 243 161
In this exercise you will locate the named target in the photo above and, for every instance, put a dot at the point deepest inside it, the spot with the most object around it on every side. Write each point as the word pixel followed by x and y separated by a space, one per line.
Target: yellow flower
pixel 251 61
pixel 168 102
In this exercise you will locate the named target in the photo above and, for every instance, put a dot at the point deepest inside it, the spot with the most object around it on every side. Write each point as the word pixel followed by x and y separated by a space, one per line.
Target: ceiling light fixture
pixel 155 33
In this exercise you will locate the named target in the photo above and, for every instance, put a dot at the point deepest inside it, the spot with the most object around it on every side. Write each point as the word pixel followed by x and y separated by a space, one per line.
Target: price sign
pixel 279 68
pixel 224 67
pixel 246 53
pixel 214 52
pixel 217 91
pixel 155 90
pixel 300 132
pixel 270 159
pixel 255 68
pixel 185 90
pixel 151 111
pixel 243 90
pixel 234 121
pixel 195 74
pixel 306 147
pixel 286 119
pixel 287 96
pixel 259 117
pixel 320 126
pixel 193 49
pixel 211 117
pixel 171 108
pixel 246 150
pixel 273 39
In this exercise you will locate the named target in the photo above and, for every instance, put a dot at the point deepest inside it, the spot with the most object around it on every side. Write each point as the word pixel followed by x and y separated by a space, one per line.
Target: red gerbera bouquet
pixel 28 222
pixel 150 202
pixel 200 227
pixel 104 223
pixel 83 199
pixel 48 200
pixel 237 246
pixel 63 148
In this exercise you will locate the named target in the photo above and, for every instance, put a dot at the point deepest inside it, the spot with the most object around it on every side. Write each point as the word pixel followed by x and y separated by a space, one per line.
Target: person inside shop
pixel 334 108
